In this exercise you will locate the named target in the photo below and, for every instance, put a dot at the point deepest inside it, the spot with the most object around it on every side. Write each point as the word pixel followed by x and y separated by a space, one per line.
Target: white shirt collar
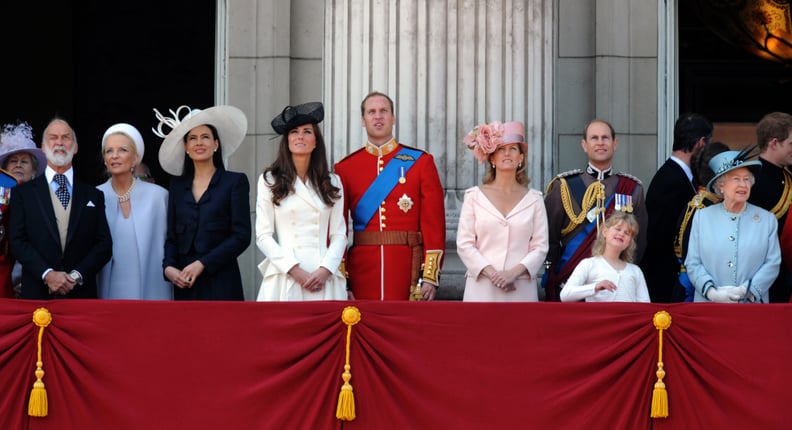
pixel 50 173
pixel 685 168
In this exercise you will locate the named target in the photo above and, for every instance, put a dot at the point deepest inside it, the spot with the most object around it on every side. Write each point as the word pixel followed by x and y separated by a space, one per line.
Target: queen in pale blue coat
pixel 137 216
pixel 733 252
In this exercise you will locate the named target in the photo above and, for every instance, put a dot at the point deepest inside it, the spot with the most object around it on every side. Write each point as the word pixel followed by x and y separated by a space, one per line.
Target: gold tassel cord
pixel 662 321
pixel 593 197
pixel 345 410
pixel 38 405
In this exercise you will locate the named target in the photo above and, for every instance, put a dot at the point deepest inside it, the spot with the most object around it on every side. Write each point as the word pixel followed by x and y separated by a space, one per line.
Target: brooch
pixel 405 203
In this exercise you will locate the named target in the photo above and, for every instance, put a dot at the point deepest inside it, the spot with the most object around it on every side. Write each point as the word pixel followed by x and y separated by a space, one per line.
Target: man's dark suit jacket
pixel 667 196
pixel 35 241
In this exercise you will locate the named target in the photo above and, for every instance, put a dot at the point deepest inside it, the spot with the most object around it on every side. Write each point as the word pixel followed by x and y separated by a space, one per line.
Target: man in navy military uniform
pixel 577 201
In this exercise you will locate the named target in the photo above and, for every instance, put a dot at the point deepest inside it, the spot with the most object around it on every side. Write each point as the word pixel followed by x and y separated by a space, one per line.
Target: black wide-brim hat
pixel 294 116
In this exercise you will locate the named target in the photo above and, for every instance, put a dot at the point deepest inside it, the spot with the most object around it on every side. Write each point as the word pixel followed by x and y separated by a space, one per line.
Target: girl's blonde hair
pixel 616 218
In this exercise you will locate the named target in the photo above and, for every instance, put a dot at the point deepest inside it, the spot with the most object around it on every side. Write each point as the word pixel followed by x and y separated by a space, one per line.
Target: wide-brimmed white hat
pixel 130 131
pixel 19 138
pixel 229 121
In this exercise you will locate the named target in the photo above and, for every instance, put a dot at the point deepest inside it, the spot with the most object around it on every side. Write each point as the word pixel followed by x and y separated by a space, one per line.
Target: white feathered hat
pixel 229 121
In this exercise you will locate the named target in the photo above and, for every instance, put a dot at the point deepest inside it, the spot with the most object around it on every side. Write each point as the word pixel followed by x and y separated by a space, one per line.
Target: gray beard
pixel 58 159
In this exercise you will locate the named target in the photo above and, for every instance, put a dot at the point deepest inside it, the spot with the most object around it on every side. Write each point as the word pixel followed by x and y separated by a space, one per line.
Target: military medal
pixel 405 203
pixel 402 179
pixel 623 203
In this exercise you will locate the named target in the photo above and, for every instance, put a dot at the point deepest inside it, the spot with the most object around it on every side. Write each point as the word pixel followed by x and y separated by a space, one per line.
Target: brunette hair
pixel 217 156
pixel 284 173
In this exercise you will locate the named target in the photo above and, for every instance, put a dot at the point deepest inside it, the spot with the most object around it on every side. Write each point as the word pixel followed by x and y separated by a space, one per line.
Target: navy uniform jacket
pixel 214 230
pixel 558 219
pixel 35 241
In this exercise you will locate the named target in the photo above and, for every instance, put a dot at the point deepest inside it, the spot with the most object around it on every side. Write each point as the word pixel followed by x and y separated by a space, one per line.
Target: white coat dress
pixel 302 230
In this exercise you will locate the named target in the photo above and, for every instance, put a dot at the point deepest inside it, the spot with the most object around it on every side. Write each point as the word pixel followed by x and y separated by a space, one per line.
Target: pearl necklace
pixel 125 197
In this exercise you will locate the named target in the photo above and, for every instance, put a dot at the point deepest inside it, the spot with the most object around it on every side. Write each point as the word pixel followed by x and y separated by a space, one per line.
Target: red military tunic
pixel 383 272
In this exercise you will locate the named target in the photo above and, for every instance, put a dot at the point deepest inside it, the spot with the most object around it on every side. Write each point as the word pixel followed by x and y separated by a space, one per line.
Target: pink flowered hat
pixel 484 139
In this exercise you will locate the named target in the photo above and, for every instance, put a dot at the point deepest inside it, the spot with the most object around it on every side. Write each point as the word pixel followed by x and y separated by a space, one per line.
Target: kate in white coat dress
pixel 300 225
pixel 301 230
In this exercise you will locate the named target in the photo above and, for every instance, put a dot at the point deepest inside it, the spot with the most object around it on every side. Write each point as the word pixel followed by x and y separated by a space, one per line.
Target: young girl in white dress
pixel 609 274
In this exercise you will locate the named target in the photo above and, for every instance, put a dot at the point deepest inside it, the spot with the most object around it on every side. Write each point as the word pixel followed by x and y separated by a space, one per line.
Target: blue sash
pixel 382 186
pixel 573 244
pixel 684 281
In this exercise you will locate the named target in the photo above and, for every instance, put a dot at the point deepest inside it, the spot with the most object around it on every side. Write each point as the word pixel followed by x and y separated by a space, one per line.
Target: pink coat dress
pixel 485 236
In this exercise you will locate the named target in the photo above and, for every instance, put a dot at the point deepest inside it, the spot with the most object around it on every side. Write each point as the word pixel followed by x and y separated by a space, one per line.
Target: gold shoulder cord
pixel 696 203
pixel 595 195
pixel 782 206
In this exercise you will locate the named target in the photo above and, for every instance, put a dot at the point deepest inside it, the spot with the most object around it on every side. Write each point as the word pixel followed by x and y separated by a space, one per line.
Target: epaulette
pixel 627 175
pixel 562 175
pixel 569 173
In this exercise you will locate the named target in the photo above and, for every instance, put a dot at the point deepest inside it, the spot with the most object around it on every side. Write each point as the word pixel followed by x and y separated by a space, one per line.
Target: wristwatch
pixel 76 276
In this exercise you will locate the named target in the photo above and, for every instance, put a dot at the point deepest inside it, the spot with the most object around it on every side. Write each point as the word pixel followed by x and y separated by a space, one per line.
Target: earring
pixel 519 164
pixel 493 165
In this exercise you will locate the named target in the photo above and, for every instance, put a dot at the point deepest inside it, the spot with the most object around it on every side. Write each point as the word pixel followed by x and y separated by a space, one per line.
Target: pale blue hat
pixel 729 160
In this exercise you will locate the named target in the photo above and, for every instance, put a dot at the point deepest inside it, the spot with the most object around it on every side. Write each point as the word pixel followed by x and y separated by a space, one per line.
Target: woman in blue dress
pixel 136 214
pixel 733 253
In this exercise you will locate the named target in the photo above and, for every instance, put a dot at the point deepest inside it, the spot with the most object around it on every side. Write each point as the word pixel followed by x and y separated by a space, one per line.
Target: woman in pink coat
pixel 502 232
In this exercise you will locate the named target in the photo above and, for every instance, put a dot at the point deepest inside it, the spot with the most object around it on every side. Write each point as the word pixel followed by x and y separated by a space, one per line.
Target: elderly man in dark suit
pixel 668 194
pixel 59 232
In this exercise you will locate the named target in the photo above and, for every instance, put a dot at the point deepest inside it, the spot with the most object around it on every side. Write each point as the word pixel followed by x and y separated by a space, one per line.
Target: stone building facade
pixel 553 64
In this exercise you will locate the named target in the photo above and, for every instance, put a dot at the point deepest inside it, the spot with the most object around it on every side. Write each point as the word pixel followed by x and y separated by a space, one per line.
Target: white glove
pixel 726 294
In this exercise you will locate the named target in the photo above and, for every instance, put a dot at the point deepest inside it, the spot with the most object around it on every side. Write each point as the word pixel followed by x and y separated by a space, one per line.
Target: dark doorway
pixel 722 81
pixel 96 63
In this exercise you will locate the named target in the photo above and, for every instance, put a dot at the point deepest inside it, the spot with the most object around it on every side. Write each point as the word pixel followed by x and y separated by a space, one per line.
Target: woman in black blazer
pixel 208 206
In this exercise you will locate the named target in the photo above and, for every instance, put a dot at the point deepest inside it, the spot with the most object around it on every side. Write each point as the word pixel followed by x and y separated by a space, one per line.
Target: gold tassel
pixel 662 321
pixel 345 410
pixel 38 405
